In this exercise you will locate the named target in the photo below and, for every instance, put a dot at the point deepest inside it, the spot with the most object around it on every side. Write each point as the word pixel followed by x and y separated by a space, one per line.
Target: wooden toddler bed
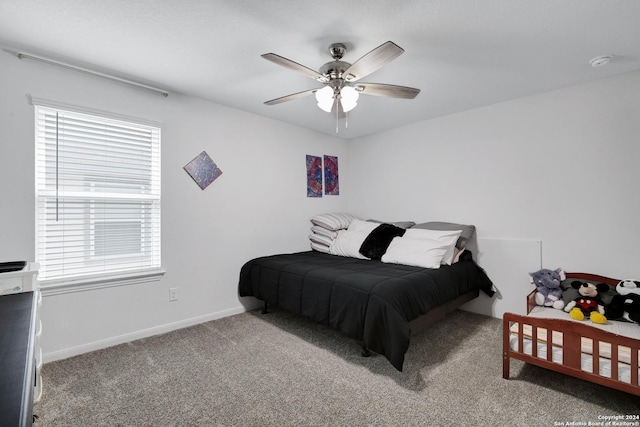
pixel 602 354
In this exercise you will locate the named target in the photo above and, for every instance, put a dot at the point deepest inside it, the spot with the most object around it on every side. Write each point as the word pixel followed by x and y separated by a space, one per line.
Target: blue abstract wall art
pixel 203 170
pixel 314 176
pixel 331 181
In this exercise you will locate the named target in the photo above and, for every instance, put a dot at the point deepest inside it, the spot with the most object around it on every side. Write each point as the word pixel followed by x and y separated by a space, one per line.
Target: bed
pixel 380 304
pixel 602 354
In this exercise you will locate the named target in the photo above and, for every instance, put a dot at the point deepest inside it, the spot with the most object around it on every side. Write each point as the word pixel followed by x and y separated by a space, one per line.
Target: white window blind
pixel 97 196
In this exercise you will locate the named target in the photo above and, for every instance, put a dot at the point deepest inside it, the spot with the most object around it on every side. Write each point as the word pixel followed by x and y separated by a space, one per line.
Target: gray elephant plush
pixel 549 292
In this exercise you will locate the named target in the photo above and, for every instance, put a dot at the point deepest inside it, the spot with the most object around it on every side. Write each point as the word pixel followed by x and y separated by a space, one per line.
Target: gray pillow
pixel 401 224
pixel 569 293
pixel 467 230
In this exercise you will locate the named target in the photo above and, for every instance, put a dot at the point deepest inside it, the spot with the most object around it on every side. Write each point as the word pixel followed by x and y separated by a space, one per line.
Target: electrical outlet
pixel 173 294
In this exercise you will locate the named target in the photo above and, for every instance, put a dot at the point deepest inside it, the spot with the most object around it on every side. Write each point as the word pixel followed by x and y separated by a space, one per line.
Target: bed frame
pixel 572 333
pixel 423 322
pixel 437 313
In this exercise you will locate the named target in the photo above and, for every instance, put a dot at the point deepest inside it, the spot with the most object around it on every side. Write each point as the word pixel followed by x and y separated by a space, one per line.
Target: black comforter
pixel 365 299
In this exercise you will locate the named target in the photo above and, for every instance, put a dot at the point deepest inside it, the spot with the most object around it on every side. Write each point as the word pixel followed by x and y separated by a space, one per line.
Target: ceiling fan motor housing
pixel 334 69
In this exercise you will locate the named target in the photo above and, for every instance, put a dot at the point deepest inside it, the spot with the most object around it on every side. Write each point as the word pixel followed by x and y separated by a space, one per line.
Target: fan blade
pixel 372 61
pixel 291 97
pixel 393 91
pixel 287 63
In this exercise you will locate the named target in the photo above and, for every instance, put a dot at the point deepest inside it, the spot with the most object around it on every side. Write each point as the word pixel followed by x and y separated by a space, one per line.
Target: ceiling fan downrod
pixel 337 50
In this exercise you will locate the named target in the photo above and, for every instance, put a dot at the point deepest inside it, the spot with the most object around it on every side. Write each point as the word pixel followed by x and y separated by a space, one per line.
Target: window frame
pixel 149 203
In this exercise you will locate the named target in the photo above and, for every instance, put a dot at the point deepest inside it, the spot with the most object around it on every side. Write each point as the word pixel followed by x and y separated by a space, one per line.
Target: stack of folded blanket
pixel 325 229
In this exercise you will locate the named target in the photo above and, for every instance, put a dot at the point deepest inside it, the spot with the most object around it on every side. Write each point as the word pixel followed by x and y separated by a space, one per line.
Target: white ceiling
pixel 462 54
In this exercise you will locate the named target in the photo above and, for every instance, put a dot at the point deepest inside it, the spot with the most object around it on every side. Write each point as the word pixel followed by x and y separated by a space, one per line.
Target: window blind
pixel 97 195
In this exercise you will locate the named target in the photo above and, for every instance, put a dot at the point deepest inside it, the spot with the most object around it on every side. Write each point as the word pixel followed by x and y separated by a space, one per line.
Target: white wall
pixel 560 167
pixel 257 207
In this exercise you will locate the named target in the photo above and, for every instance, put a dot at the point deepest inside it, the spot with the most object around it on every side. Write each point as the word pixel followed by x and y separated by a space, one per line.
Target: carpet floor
pixel 281 370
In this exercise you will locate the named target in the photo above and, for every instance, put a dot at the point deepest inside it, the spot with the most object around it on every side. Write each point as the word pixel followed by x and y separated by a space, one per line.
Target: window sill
pixel 89 284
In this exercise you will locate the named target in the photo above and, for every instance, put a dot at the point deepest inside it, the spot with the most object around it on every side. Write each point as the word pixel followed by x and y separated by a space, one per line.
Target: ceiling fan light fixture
pixel 341 92
pixel 348 98
pixel 324 97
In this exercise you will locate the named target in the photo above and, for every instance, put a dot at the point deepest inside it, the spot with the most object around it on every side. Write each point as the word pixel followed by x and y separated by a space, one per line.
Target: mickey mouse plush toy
pixel 588 303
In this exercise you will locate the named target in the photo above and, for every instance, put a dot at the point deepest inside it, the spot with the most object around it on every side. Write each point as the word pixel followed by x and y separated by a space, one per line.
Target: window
pixel 97 196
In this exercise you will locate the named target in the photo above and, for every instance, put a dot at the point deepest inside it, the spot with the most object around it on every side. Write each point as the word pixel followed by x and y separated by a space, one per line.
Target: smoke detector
pixel 599 61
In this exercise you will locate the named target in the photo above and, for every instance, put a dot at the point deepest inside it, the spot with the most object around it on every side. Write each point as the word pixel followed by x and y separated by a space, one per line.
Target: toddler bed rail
pixel 572 347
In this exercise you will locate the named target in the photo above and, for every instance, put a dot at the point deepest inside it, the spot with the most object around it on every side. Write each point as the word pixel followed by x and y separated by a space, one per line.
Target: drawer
pixel 10 285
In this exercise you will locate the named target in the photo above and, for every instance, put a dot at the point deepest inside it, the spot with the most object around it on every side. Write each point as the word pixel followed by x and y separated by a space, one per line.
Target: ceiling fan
pixel 342 79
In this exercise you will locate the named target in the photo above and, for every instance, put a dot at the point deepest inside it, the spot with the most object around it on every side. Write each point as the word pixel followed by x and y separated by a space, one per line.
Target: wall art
pixel 314 176
pixel 331 181
pixel 203 170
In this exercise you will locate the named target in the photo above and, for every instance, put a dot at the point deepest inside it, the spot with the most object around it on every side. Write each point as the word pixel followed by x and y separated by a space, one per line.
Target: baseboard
pixel 144 333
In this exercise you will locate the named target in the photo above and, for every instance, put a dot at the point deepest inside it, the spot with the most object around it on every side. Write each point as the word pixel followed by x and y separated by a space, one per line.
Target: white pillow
pixel 319 238
pixel 316 229
pixel 333 221
pixel 349 241
pixel 450 254
pixel 319 247
pixel 419 252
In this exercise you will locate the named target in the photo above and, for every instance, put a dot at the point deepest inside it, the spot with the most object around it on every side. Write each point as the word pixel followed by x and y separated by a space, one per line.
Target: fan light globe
pixel 325 98
pixel 349 98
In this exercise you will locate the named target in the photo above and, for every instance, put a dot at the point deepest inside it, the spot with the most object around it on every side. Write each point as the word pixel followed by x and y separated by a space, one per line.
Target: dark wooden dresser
pixel 17 358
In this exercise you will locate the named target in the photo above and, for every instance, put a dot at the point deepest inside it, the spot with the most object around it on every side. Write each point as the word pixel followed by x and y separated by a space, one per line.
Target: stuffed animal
pixel 588 303
pixel 625 305
pixel 549 292
pixel 627 287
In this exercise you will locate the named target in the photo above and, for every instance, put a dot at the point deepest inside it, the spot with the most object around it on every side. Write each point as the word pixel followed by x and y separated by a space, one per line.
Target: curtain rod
pixel 24 55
